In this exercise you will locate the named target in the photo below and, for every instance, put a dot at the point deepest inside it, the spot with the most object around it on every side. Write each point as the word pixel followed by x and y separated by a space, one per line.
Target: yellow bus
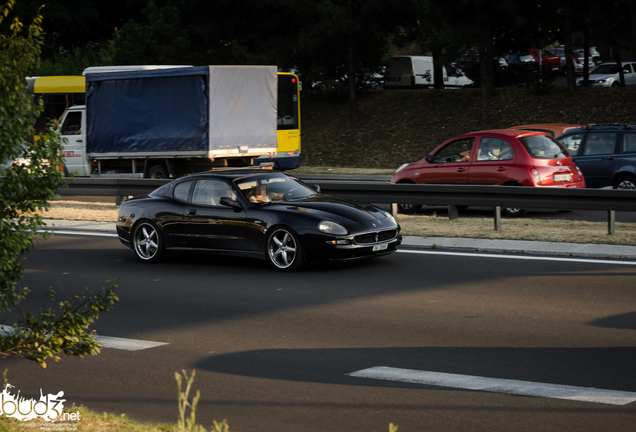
pixel 61 92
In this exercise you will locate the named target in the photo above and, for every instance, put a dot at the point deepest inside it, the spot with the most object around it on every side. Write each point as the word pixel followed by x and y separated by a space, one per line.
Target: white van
pixel 417 71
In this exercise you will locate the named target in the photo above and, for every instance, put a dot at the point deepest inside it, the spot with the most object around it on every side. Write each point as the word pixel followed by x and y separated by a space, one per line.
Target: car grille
pixel 374 237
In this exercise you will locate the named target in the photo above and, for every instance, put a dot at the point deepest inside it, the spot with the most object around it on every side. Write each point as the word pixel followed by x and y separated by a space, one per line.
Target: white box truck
pixel 170 122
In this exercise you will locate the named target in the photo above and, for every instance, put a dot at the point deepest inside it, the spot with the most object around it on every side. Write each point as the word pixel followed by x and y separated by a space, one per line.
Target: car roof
pixel 554 129
pixel 231 173
pixel 511 133
pixel 609 127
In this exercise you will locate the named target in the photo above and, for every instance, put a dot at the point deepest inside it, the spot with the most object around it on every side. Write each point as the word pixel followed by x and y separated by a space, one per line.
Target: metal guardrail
pixel 376 189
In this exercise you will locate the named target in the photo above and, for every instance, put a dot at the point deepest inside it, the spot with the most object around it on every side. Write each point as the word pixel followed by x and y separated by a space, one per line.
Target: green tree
pixel 24 192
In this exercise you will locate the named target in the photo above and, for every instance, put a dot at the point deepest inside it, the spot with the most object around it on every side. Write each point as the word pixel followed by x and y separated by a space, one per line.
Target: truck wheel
pixel 158 172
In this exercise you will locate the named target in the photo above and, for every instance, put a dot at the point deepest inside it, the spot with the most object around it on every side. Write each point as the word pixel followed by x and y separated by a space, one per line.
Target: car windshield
pixel 605 69
pixel 543 147
pixel 272 188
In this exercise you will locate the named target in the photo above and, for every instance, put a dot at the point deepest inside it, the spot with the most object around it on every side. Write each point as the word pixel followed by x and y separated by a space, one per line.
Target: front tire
pixel 147 242
pixel 283 250
pixel 409 208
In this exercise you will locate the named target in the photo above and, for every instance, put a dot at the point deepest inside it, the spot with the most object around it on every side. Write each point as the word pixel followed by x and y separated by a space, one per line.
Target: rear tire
pixel 147 242
pixel 625 182
pixel 514 211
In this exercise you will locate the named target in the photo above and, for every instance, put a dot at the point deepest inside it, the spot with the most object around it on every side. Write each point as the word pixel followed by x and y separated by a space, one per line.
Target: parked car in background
pixel 417 71
pixel 495 157
pixel 578 56
pixel 518 61
pixel 606 154
pixel 606 75
pixel 547 59
pixel 552 129
pixel 596 55
pixel 252 213
pixel 9 162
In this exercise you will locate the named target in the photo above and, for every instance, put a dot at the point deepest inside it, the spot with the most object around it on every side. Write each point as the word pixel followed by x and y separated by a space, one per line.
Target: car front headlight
pixel 601 81
pixel 402 167
pixel 330 227
pixel 390 217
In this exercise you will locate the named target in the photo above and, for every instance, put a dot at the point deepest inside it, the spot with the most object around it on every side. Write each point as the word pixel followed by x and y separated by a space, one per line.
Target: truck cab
pixel 73 130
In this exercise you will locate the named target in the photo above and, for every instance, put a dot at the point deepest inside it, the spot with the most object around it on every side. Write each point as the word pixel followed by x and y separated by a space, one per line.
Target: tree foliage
pixel 24 193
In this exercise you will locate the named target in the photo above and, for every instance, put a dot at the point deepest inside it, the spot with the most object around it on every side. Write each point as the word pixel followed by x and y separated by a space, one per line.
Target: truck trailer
pixel 166 123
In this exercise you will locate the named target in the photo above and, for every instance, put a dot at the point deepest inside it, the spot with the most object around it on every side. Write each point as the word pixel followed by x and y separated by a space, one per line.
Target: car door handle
pixel 192 212
pixel 501 169
pixel 608 158
pixel 461 169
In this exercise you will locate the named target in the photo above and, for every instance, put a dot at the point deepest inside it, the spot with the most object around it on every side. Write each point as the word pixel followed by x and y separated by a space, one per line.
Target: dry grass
pixel 82 211
pixel 519 229
pixel 426 226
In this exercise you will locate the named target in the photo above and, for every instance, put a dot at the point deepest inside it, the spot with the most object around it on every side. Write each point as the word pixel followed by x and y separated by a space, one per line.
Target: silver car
pixel 578 56
pixel 606 75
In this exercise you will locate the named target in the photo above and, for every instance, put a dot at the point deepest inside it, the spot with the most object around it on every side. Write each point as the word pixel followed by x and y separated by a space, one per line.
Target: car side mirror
pixel 429 158
pixel 316 188
pixel 229 202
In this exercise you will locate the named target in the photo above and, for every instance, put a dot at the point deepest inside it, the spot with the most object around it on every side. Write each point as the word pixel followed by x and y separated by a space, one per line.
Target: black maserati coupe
pixel 252 213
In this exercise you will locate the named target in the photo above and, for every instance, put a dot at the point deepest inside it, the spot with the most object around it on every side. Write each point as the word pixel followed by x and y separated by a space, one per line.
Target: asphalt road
pixel 273 351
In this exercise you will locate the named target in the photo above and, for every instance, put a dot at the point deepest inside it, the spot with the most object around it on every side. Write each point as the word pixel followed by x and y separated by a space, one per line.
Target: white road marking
pixel 95 234
pixel 126 344
pixel 519 257
pixel 423 252
pixel 108 341
pixel 524 388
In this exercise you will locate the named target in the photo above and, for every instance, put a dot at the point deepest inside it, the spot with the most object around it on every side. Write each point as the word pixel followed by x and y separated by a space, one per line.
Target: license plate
pixel 380 247
pixel 555 68
pixel 562 177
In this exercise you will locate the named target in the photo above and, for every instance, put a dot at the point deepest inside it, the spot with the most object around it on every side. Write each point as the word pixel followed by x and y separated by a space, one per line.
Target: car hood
pixel 342 211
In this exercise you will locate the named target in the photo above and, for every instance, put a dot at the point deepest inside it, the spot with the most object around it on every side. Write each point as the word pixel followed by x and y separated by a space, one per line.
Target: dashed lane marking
pixel 109 342
pixel 495 385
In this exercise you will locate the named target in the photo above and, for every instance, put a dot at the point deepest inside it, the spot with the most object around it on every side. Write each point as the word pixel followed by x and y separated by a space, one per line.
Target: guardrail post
pixel 394 210
pixel 611 222
pixel 453 212
pixel 497 218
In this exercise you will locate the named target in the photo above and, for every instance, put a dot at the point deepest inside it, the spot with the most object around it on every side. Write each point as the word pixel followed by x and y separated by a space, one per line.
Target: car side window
pixel 494 149
pixel 572 143
pixel 210 192
pixel 182 190
pixel 629 143
pixel 456 151
pixel 599 143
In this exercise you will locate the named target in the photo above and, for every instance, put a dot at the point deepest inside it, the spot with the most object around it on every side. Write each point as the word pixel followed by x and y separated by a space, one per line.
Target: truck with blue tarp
pixel 165 123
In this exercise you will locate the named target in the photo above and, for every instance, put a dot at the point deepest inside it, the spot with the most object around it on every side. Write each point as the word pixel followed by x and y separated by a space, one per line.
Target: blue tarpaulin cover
pixel 152 110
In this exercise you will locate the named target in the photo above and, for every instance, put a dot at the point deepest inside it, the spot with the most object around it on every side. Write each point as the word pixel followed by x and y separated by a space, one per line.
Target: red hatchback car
pixel 495 157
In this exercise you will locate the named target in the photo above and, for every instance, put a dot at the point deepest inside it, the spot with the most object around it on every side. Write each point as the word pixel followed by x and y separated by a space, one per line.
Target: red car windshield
pixel 543 147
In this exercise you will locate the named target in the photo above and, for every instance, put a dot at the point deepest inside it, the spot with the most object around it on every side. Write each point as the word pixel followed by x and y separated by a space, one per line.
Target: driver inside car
pixel 258 195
